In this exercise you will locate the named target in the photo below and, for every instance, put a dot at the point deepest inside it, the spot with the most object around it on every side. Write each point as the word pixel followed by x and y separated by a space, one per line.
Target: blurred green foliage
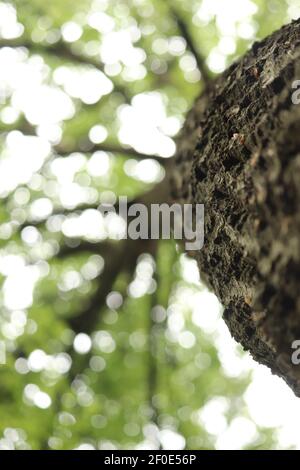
pixel 137 381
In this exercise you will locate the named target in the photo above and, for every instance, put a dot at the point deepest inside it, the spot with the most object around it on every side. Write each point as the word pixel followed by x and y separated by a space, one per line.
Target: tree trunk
pixel 239 155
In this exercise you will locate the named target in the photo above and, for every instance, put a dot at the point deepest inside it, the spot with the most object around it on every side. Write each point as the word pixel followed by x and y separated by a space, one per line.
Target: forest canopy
pixel 105 344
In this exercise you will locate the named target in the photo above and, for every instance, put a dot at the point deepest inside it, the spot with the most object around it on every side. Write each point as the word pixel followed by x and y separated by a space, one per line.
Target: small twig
pixel 153 363
pixel 129 151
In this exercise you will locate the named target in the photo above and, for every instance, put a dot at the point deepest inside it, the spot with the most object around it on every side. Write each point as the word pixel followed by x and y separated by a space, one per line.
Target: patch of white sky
pixel 9 26
pixel 21 157
pixel 293 9
pixel 145 125
pixel 234 19
pixel 263 394
pixel 88 85
pixel 19 282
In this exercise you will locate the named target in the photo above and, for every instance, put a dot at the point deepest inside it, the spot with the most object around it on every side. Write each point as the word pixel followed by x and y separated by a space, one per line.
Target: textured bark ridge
pixel 239 154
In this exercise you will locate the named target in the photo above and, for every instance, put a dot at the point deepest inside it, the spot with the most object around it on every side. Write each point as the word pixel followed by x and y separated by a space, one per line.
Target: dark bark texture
pixel 239 155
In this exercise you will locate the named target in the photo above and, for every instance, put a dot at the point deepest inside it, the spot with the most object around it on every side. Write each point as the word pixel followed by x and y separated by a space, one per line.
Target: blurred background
pixel 104 345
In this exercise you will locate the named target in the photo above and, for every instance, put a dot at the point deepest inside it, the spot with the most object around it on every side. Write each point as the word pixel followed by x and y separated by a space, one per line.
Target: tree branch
pixel 191 45
pixel 118 257
pixel 115 258
pixel 128 151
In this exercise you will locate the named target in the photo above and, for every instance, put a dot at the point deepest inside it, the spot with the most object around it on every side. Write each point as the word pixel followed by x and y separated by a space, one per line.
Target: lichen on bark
pixel 239 155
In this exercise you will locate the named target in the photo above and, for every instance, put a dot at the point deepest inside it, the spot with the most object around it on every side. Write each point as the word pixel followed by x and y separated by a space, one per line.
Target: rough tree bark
pixel 239 155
